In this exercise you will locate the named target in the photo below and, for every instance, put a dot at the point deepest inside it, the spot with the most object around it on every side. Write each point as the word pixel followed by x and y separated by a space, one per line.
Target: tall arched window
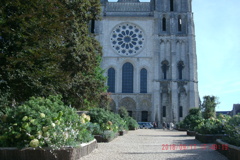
pixel 164 24
pixel 143 81
pixel 127 78
pixel 180 111
pixel 171 5
pixel 164 111
pixel 179 23
pixel 111 80
pixel 165 66
pixel 180 69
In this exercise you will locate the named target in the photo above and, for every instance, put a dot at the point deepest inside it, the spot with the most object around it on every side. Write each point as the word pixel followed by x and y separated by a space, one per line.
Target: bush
pixel 192 120
pixel 123 112
pixel 42 122
pixel 232 129
pixel 107 120
pixel 131 123
pixel 108 134
pixel 210 126
pixel 181 125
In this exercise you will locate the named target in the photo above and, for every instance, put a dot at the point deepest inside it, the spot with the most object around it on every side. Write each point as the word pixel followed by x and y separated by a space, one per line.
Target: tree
pixel 83 55
pixel 192 119
pixel 209 104
pixel 46 49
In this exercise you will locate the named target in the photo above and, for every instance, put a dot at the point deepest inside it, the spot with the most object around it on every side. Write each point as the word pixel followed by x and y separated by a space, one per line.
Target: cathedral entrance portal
pixel 130 105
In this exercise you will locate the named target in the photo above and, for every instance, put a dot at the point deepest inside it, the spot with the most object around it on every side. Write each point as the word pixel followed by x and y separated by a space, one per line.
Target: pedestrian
pixel 164 125
pixel 168 126
pixel 171 126
pixel 154 125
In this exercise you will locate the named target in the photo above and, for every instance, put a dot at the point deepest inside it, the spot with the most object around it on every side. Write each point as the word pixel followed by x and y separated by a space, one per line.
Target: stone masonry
pixel 149 56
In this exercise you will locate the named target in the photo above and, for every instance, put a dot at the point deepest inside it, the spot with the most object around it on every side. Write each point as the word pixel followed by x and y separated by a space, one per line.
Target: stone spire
pixel 128 1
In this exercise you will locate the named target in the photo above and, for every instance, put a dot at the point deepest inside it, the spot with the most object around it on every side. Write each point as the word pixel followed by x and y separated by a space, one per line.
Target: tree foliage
pixel 123 112
pixel 209 104
pixel 192 119
pixel 45 49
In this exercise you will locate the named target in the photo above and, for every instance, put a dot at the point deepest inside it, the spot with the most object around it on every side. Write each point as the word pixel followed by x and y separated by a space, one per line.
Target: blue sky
pixel 217 28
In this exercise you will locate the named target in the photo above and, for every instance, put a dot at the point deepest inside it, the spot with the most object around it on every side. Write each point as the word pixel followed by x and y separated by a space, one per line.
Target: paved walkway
pixel 150 144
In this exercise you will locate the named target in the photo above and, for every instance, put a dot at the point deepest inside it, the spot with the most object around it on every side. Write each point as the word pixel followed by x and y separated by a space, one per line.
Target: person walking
pixel 168 126
pixel 164 125
pixel 171 126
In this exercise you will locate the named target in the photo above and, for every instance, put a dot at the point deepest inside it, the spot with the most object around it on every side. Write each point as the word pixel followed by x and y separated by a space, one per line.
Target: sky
pixel 217 30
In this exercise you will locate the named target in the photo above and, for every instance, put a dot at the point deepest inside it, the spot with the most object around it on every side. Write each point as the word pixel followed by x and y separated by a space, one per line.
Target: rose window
pixel 127 39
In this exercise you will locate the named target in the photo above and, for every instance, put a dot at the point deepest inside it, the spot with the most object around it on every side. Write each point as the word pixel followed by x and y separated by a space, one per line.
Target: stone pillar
pixel 174 102
pixel 156 102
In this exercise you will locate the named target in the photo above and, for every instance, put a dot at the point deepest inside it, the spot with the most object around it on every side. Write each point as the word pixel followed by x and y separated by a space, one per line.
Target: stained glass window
pixel 127 39
pixel 127 78
pixel 143 81
pixel 111 80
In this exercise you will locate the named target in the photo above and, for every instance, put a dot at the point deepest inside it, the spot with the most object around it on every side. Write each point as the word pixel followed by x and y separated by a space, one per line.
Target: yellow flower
pixel 87 118
pixel 45 128
pixel 34 143
pixel 24 118
pixel 42 115
pixel 82 120
pixel 53 125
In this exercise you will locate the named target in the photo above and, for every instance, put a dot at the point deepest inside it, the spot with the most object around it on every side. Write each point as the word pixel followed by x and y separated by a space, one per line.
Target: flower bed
pixel 66 153
pixel 208 138
pixel 107 136
pixel 231 152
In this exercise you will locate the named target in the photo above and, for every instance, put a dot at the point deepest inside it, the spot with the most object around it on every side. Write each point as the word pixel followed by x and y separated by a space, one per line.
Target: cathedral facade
pixel 149 57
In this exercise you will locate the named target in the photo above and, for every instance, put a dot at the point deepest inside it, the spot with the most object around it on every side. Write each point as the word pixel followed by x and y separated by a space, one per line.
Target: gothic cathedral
pixel 149 57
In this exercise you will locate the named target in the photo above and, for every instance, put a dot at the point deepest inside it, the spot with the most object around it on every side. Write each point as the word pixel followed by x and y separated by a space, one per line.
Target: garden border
pixel 191 133
pixel 208 138
pixel 65 153
pixel 233 152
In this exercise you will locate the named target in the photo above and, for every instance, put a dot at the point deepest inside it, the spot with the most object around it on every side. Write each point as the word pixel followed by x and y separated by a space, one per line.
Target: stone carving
pixel 145 104
pixel 128 103
pixel 165 88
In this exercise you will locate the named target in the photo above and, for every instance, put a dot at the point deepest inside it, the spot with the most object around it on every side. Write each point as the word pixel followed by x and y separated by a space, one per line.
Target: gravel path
pixel 146 144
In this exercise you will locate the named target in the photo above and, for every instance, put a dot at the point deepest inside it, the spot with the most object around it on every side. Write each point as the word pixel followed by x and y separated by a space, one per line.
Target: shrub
pixel 192 119
pixel 110 121
pixel 210 126
pixel 42 122
pixel 232 129
pixel 94 128
pixel 108 134
pixel 181 125
pixel 123 112
pixel 107 120
pixel 131 123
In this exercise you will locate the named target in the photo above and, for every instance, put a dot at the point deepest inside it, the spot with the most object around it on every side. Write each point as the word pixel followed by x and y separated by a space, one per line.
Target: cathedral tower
pixel 149 57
